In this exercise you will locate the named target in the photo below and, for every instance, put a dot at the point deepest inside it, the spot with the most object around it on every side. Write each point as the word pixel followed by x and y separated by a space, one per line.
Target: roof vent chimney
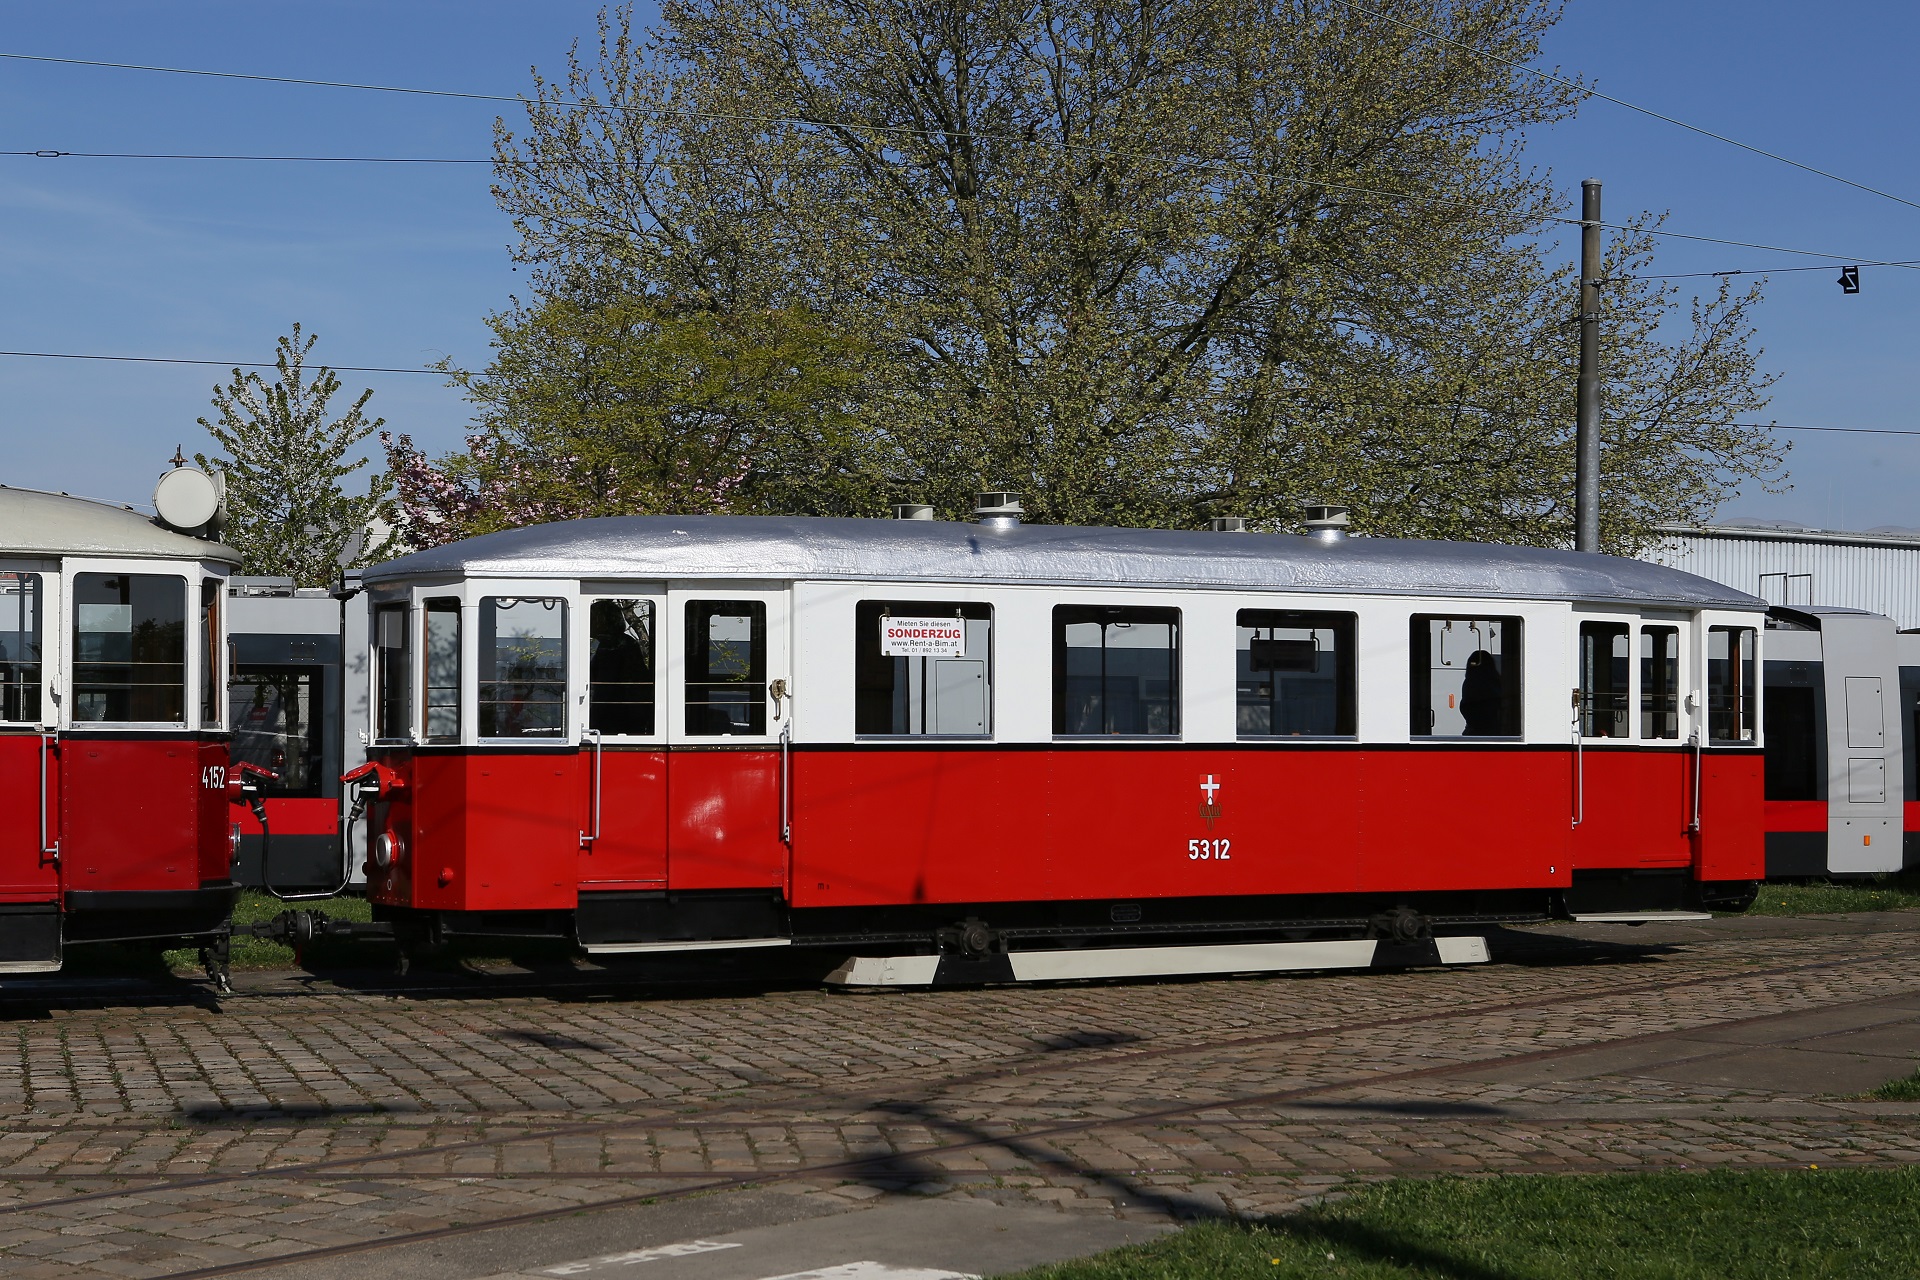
pixel 1327 523
pixel 1228 524
pixel 912 511
pixel 1000 510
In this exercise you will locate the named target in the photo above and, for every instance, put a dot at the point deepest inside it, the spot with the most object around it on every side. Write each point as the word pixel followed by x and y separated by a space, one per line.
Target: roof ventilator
pixel 1228 524
pixel 912 511
pixel 1328 524
pixel 998 510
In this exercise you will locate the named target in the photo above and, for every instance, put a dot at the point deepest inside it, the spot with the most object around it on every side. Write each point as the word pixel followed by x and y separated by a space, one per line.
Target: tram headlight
pixel 388 849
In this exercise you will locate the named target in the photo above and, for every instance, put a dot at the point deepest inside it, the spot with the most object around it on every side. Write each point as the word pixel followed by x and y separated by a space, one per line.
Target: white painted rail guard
pixel 1641 917
pixel 1149 962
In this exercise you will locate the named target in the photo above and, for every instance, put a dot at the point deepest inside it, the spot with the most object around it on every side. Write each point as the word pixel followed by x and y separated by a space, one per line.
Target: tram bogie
pixel 656 733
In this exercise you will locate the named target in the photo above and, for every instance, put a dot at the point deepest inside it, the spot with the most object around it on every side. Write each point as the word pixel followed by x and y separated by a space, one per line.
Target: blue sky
pixel 399 265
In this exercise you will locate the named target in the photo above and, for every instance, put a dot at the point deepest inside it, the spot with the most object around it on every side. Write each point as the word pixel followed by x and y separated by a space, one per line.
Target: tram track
pixel 898 1165
pixel 761 1099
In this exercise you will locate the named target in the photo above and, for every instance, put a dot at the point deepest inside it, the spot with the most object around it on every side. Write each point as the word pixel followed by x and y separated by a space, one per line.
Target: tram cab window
pixel 523 667
pixel 1732 704
pixel 129 648
pixel 211 685
pixel 923 667
pixel 1659 683
pixel 1465 677
pixel 620 672
pixel 1605 665
pixel 20 647
pixel 1116 671
pixel 392 672
pixel 726 667
pixel 1293 674
pixel 277 714
pixel 1795 720
pixel 443 670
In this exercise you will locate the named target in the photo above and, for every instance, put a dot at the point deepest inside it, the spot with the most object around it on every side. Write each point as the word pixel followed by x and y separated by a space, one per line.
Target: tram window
pixel 276 713
pixel 1659 683
pixel 1730 685
pixel 523 667
pixel 923 667
pixel 129 648
pixel 443 670
pixel 211 684
pixel 620 672
pixel 1293 673
pixel 393 669
pixel 1794 749
pixel 1605 658
pixel 20 647
pixel 1465 677
pixel 1116 671
pixel 726 667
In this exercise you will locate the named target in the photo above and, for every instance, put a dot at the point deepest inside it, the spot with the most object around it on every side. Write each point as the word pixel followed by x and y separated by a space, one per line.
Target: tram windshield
pixel 620 698
pixel 20 647
pixel 275 710
pixel 523 667
pixel 129 648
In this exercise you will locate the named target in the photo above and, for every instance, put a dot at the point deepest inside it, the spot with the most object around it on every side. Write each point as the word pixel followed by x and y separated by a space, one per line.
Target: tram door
pixel 729 711
pixel 1632 799
pixel 625 848
pixel 29 761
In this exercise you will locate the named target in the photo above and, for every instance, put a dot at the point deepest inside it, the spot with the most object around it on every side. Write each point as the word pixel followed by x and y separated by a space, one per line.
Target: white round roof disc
pixel 186 498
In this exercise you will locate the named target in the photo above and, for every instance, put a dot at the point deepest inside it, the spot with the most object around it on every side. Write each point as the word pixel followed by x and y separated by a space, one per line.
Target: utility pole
pixel 1586 482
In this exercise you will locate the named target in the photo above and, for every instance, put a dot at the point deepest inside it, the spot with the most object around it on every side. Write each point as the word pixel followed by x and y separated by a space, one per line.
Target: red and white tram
pixel 113 742
pixel 960 751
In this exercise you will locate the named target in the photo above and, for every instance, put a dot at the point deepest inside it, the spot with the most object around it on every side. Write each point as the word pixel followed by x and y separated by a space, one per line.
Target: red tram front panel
pixel 144 813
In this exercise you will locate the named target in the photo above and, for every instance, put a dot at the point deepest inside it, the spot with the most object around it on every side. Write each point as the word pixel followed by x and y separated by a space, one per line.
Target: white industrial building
pixel 1878 570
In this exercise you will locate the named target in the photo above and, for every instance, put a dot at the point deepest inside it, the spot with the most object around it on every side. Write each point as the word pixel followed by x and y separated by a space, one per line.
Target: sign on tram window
pixel 620 676
pixel 20 647
pixel 130 648
pixel 923 667
pixel 1116 671
pixel 1605 662
pixel 1465 677
pixel 523 667
pixel 726 667
pixel 1293 674
pixel 1732 703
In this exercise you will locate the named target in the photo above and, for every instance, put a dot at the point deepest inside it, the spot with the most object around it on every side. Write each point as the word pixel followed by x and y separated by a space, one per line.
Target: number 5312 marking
pixel 1209 850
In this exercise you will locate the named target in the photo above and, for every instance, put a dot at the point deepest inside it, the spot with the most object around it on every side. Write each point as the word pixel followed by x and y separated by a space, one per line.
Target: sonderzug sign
pixel 923 637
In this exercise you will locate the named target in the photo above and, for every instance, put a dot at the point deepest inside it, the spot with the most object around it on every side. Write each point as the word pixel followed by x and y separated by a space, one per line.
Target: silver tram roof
pixel 39 524
pixel 825 548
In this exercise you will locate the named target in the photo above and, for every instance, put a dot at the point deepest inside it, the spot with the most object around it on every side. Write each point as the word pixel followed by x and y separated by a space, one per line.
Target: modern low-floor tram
pixel 957 751
pixel 119 820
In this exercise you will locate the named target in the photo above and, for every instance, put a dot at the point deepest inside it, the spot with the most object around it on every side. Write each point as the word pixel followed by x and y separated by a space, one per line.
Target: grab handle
pixel 48 744
pixel 593 736
pixel 786 783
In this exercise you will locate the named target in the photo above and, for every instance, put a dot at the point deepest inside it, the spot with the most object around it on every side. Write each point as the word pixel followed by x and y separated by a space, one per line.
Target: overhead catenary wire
pixel 1589 91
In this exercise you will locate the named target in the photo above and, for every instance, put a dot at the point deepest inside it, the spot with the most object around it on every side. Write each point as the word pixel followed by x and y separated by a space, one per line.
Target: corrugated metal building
pixel 1878 570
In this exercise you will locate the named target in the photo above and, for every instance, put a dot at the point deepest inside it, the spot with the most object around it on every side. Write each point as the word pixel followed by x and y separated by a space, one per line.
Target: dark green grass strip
pixel 1900 892
pixel 1720 1225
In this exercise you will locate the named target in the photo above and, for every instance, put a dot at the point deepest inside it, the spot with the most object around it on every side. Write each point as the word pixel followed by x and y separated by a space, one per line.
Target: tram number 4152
pixel 1209 850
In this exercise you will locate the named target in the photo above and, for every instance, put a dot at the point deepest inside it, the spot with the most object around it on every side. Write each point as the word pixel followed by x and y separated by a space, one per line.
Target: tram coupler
pixel 297 928
pixel 216 957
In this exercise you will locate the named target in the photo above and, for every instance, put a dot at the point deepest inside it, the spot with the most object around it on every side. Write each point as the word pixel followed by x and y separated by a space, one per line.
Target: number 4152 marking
pixel 1209 850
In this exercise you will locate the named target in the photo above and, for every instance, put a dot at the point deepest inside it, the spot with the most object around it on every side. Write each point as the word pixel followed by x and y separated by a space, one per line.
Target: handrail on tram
pixel 48 743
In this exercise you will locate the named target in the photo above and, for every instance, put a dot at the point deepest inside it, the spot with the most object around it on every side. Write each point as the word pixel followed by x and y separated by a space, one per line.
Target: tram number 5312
pixel 1209 850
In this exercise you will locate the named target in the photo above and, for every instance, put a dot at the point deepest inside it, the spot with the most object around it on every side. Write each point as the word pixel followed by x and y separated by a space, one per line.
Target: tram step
pixel 1151 962
pixel 1639 917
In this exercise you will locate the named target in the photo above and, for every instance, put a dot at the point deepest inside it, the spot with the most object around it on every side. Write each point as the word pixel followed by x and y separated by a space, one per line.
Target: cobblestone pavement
pixel 148 1131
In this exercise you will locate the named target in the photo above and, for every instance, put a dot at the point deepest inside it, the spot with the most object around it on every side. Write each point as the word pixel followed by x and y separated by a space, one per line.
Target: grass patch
pixel 1720 1225
pixel 1895 892
pixel 1905 1089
